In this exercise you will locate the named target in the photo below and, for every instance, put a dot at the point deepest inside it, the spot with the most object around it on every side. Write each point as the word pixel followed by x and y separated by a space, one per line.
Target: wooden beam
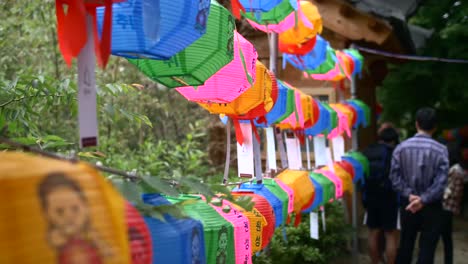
pixel 344 19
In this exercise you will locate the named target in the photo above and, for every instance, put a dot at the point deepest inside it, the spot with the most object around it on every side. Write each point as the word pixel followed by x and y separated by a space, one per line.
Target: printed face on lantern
pixel 223 239
pixel 64 204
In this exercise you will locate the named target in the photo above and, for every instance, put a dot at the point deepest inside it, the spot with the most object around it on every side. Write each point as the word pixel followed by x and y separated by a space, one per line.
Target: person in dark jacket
pixel 379 199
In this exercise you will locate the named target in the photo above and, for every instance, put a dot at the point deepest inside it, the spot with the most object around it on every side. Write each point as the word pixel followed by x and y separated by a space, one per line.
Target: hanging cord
pixel 228 151
pixel 16 145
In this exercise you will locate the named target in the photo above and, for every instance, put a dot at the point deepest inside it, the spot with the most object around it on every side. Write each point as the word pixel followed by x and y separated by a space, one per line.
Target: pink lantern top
pixel 229 82
pixel 287 23
pixel 336 181
pixel 241 224
pixel 290 193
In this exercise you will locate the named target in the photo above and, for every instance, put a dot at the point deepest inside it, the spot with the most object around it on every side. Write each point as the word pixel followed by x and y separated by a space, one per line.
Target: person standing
pixel 419 174
pixel 452 198
pixel 379 199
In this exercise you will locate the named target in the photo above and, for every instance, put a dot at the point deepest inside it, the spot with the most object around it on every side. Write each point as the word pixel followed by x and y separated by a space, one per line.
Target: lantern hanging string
pixel 126 175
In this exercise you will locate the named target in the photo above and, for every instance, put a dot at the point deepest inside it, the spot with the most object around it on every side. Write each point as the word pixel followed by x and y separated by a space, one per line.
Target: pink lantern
pixel 343 123
pixel 287 23
pixel 229 82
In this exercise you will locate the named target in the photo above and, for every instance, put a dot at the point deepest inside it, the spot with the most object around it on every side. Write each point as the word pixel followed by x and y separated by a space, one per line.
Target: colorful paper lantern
pixel 242 228
pixel 139 237
pixel 283 107
pixel 307 110
pixel 52 211
pixel 298 49
pixel 365 108
pixel 290 193
pixel 303 31
pixel 343 68
pixel 358 169
pixel 155 29
pixel 274 15
pixel 323 121
pixel 259 5
pixel 219 233
pixel 357 58
pixel 264 207
pixel 325 66
pixel 229 82
pixel 360 114
pixel 199 61
pixel 333 178
pixel 72 29
pixel 318 200
pixel 283 196
pixel 362 159
pixel 259 93
pixel 333 117
pixel 321 53
pixel 345 177
pixel 289 22
pixel 303 187
pixel 296 119
pixel 257 223
pixel 263 191
pixel 328 187
pixel 175 240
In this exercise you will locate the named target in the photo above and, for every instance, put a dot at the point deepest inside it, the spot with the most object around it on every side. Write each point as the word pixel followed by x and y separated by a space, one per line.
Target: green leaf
pixel 159 185
pixel 129 190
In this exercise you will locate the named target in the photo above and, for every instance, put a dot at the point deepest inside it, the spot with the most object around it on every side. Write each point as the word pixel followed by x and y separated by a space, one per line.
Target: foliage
pixel 412 85
pixel 300 248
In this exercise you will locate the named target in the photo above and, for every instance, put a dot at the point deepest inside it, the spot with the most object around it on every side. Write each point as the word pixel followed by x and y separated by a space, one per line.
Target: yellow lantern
pixel 259 93
pixel 59 212
pixel 302 32
pixel 301 184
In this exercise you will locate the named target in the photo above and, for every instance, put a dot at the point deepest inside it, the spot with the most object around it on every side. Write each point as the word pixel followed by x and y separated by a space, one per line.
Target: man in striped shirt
pixel 419 173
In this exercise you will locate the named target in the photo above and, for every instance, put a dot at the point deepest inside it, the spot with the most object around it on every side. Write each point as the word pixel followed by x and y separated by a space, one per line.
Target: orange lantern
pixel 302 33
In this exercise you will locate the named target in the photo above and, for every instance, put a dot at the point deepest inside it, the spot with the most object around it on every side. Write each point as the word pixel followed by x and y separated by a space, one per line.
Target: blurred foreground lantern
pixel 257 223
pixel 259 5
pixel 264 207
pixel 229 82
pixel 155 29
pixel 53 211
pixel 175 240
pixel 139 237
pixel 199 61
pixel 219 233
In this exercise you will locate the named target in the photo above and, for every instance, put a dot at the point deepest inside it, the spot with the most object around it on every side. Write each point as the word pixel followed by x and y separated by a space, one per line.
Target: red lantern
pixel 138 236
pixel 72 28
pixel 264 207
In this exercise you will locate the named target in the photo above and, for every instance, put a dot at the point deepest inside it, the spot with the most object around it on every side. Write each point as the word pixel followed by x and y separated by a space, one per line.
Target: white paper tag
pixel 398 220
pixel 364 221
pixel 245 161
pixel 257 154
pixel 87 109
pixel 338 147
pixel 281 148
pixel 271 148
pixel 319 151
pixel 314 226
pixel 324 223
pixel 329 159
pixel 292 151
pixel 309 167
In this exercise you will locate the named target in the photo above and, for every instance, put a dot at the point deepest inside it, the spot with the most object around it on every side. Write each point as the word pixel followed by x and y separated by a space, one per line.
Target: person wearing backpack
pixel 379 199
pixel 419 173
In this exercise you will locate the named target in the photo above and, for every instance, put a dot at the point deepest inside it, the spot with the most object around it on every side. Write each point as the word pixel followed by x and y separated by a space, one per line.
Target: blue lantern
pixel 155 29
pixel 175 240
pixel 259 5
pixel 263 191
pixel 322 124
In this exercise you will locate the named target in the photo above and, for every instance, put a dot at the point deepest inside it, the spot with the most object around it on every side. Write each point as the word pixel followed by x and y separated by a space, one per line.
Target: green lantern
pixel 274 16
pixel 327 186
pixel 274 188
pixel 333 118
pixel 362 159
pixel 219 233
pixel 199 61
